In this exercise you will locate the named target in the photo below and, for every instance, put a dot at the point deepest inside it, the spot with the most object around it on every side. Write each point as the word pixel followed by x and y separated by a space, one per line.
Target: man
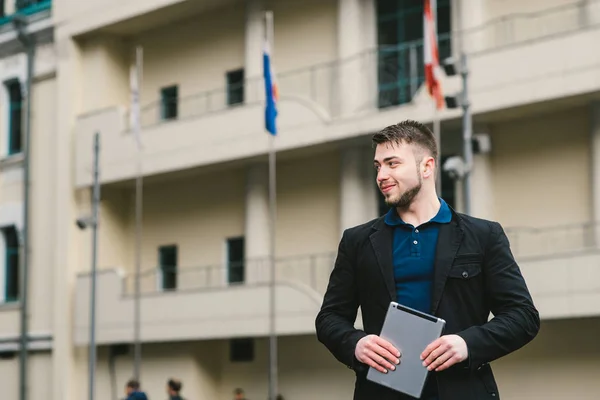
pixel 238 394
pixel 133 392
pixel 426 256
pixel 174 388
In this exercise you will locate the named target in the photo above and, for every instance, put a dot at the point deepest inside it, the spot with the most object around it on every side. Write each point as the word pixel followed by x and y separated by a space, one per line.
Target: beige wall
pixel 541 169
pixel 563 362
pixel 106 80
pixel 308 205
pixel 308 371
pixel 501 8
pixel 194 54
pixel 39 382
pixel 305 33
pixel 43 135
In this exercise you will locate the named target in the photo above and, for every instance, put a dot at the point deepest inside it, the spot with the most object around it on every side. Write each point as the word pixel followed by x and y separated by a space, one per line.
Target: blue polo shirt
pixel 414 255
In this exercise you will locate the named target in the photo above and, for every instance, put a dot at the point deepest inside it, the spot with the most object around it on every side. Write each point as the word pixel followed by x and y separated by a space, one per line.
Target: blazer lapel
pixel 449 240
pixel 382 242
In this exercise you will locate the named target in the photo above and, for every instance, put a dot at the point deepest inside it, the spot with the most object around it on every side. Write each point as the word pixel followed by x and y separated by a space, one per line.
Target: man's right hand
pixel 377 353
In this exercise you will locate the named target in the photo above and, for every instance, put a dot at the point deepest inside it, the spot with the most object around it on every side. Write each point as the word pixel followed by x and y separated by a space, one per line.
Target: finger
pixel 381 361
pixel 388 346
pixel 451 361
pixel 432 346
pixel 433 354
pixel 442 358
pixel 373 364
pixel 383 352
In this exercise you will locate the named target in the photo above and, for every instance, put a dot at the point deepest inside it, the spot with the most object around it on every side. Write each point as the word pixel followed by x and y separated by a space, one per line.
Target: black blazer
pixel 474 274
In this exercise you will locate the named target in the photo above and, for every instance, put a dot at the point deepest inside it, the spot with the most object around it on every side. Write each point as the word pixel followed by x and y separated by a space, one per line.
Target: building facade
pixel 345 69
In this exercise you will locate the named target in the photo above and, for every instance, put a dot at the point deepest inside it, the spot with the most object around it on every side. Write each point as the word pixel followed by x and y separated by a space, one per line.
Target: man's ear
pixel 428 164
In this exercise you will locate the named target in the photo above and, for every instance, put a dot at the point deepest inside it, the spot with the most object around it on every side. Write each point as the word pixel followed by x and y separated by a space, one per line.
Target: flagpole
pixel 273 215
pixel 137 345
pixel 438 140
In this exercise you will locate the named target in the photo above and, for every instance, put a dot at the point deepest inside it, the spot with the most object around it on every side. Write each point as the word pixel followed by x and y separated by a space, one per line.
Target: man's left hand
pixel 444 353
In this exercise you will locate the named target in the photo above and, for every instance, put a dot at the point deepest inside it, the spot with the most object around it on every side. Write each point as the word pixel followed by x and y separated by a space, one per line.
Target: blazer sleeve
pixel 335 321
pixel 516 321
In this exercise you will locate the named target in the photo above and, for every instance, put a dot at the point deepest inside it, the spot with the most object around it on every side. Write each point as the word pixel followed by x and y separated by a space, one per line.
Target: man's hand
pixel 377 353
pixel 445 352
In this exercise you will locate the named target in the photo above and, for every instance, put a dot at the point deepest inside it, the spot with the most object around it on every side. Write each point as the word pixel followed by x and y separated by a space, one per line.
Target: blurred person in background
pixel 174 388
pixel 238 394
pixel 133 392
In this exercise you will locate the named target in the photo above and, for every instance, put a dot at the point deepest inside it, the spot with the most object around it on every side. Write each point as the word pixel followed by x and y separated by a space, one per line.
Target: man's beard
pixel 407 198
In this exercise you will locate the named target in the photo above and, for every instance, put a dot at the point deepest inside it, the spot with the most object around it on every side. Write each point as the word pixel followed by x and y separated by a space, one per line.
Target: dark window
pixel 235 260
pixel 400 59
pixel 168 266
pixel 241 350
pixel 169 98
pixel 15 116
pixel 21 4
pixel 2 12
pixel 235 87
pixel 11 241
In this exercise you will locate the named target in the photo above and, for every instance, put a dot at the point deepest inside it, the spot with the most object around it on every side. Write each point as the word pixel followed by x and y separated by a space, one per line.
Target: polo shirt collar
pixel 443 216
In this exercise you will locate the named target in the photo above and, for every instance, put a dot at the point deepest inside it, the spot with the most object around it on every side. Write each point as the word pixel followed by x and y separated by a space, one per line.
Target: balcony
pixel 512 60
pixel 560 265
pixel 208 302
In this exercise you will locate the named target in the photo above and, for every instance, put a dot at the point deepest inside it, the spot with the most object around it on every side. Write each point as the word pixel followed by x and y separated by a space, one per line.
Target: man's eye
pixel 393 164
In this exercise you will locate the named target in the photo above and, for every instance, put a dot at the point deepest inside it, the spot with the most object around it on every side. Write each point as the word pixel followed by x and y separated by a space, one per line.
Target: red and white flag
pixel 431 58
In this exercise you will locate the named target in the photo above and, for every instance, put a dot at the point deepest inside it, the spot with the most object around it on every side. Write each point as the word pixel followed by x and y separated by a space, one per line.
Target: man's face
pixel 239 396
pixel 398 173
pixel 128 390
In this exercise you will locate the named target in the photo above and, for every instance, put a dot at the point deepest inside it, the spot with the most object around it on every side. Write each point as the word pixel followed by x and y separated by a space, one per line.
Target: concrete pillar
pixel 595 169
pixel 254 39
pixel 482 196
pixel 352 66
pixel 468 15
pixel 68 94
pixel 257 233
pixel 106 82
pixel 358 191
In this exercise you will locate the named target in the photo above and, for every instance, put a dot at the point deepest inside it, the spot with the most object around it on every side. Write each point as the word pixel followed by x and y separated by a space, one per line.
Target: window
pixel 241 350
pixel 168 100
pixel 21 4
pixel 167 256
pixel 2 9
pixel 400 59
pixel 235 260
pixel 11 264
pixel 235 87
pixel 15 116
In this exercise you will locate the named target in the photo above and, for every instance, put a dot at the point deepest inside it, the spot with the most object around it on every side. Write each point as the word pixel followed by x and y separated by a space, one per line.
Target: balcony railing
pixel 313 270
pixel 310 270
pixel 554 241
pixel 392 75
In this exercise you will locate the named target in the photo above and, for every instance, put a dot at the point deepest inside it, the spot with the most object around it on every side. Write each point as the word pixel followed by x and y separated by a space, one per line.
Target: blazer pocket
pixel 464 271
pixel 468 258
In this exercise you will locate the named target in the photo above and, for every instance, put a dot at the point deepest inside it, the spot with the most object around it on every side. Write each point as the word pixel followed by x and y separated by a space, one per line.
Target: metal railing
pixel 391 74
pixel 518 28
pixel 554 241
pixel 311 270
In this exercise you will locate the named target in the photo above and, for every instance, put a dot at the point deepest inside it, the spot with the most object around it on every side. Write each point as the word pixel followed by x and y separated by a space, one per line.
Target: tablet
pixel 410 331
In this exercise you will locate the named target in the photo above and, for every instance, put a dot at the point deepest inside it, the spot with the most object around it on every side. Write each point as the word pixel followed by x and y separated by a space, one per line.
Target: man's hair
pixel 238 391
pixel 175 384
pixel 134 384
pixel 408 132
